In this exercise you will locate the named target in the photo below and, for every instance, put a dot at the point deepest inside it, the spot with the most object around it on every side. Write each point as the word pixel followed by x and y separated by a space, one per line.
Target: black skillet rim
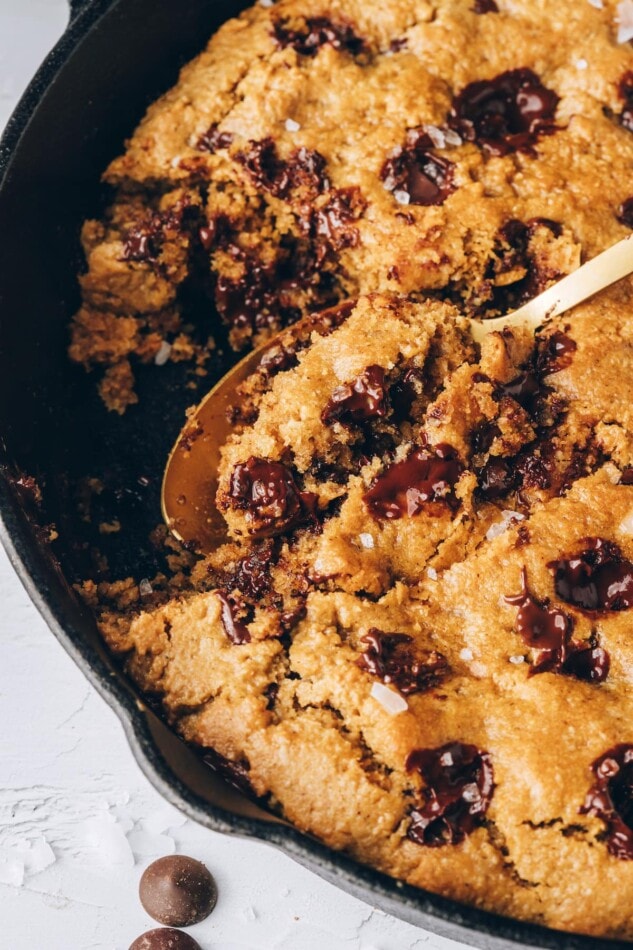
pixel 435 913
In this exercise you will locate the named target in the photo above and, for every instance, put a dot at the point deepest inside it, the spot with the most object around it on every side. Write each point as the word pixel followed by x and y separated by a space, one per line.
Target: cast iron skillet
pixel 114 59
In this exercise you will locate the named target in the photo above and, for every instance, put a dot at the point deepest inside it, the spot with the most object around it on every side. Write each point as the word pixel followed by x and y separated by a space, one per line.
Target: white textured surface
pixel 78 821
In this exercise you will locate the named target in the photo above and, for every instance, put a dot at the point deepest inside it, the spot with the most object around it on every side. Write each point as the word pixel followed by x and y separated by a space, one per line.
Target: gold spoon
pixel 190 481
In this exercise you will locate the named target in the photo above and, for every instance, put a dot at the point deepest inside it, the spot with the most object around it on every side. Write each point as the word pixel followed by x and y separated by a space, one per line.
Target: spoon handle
pixel 600 272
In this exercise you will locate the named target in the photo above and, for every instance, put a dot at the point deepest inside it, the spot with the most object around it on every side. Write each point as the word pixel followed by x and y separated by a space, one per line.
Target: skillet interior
pixel 116 57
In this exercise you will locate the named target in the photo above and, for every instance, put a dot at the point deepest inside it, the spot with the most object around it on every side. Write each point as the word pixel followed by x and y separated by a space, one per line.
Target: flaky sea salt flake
pixel 145 588
pixel 581 64
pixel 401 196
pixel 162 354
pixel 517 659
pixel 624 19
pixel 431 573
pixel 436 135
pixel 626 525
pixel 598 4
pixel 466 654
pixel 292 126
pixel 451 137
pixel 393 702
pixel 367 540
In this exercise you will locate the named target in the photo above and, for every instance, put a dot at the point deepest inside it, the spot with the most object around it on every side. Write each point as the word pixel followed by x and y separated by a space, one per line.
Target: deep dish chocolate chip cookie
pixel 416 642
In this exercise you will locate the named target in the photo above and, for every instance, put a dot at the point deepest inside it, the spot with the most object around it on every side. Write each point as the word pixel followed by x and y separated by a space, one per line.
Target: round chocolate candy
pixel 165 938
pixel 177 891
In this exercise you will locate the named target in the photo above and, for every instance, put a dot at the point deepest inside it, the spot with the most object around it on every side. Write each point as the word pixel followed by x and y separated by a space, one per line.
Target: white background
pixel 78 821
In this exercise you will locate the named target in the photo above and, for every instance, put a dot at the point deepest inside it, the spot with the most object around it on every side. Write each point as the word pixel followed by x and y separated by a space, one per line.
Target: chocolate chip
pixel 177 891
pixel 427 475
pixel 555 353
pixel 505 114
pixel 361 399
pixel 144 241
pixel 165 938
pixel 625 213
pixel 485 6
pixel 496 478
pixel 459 782
pixel 625 89
pixel 598 578
pixel 393 658
pixel 611 799
pixel 549 630
pixel 236 631
pixel 317 32
pixel 331 226
pixel 252 573
pixel 212 140
pixel 262 162
pixel 626 477
pixel 427 179
pixel 268 493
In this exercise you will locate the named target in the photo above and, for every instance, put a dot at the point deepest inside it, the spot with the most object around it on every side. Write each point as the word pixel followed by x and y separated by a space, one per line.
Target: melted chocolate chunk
pixel 165 938
pixel 485 6
pixel 265 167
pixel 548 630
pixel 317 32
pixel 524 388
pixel 588 663
pixel 177 891
pixel 212 140
pixel 611 799
pixel 625 88
pixel 268 493
pixel 599 578
pixel 459 787
pixel 543 627
pixel 252 574
pixel 403 393
pixel 427 475
pixel 256 300
pixel 626 478
pixel 496 478
pixel 392 658
pixel 625 213
pixel 505 114
pixel 236 631
pixel 278 360
pixel 556 353
pixel 413 169
pixel 363 399
pixel 331 225
pixel 236 773
pixel 143 242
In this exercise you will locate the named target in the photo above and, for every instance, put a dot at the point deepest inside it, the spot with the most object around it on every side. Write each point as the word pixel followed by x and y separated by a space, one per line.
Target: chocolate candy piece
pixel 177 891
pixel 611 798
pixel 165 938
pixel 459 787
